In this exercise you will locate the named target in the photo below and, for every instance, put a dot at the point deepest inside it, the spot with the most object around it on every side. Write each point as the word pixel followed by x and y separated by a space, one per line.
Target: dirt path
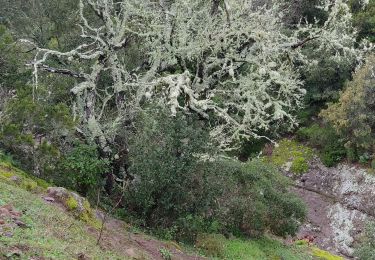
pixel 117 237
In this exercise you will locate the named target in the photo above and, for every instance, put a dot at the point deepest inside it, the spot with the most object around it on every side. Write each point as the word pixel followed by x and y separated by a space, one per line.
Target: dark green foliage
pixel 302 9
pixel 364 19
pixel 251 148
pixel 324 80
pixel 366 248
pixel 163 159
pixel 353 115
pixel 44 21
pixel 271 205
pixel 83 168
pixel 175 191
pixel 326 140
pixel 34 128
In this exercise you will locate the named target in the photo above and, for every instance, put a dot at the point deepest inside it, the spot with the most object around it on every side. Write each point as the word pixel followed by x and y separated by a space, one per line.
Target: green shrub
pixel 351 154
pixel 364 158
pixel 256 199
pixel 176 191
pixel 165 253
pixel 299 165
pixel 170 186
pixel 373 164
pixel 29 185
pixel 82 168
pixel 71 203
pixel 326 140
pixel 353 116
pixel 331 157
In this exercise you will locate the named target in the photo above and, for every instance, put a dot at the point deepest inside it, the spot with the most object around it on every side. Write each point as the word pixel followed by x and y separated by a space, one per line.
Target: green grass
pixel 51 234
pixel 262 249
pixel 290 151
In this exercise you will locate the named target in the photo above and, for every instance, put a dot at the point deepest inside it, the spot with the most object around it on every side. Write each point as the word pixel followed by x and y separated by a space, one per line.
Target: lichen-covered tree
pixel 232 62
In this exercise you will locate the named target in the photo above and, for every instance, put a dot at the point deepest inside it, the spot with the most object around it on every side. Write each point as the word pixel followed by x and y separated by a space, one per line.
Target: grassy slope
pixel 51 233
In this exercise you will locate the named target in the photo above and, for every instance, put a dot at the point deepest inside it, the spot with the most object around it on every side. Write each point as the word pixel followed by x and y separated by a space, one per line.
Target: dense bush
pixel 326 140
pixel 35 131
pixel 82 168
pixel 175 190
pixel 256 198
pixel 364 19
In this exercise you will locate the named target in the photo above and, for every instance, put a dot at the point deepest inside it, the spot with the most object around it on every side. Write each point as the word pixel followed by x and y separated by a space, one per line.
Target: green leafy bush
pixel 82 168
pixel 175 189
pixel 299 165
pixel 326 140
pixel 353 116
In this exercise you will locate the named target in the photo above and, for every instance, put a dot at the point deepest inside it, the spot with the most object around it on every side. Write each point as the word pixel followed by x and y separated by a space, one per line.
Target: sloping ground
pixel 49 233
pixel 35 225
pixel 340 202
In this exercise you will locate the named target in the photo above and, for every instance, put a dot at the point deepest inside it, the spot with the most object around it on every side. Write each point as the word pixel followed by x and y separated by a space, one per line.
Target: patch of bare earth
pixel 116 237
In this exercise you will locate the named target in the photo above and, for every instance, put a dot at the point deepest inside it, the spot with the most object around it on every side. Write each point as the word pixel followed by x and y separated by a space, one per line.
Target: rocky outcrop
pixel 79 206
pixel 340 201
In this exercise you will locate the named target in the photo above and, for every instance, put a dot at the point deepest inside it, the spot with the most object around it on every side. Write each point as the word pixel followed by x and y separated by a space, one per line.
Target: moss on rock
pixel 79 206
pixel 325 255
pixel 71 203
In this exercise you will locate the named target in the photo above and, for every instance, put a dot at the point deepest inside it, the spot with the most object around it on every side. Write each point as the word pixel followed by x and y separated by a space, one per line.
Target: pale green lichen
pixel 249 83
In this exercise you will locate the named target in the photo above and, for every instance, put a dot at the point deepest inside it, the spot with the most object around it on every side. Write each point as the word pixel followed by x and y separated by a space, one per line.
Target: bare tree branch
pixel 66 72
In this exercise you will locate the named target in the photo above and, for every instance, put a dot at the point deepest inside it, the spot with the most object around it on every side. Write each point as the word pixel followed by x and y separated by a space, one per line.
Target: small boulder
pixel 49 199
pixel 73 202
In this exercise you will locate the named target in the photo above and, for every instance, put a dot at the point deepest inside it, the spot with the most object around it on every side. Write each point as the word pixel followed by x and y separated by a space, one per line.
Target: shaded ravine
pixel 340 201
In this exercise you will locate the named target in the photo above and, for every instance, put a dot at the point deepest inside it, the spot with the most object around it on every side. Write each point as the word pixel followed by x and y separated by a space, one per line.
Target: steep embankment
pixel 340 201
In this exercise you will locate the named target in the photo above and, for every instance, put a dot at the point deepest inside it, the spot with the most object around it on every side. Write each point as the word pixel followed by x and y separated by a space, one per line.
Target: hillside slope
pixel 35 226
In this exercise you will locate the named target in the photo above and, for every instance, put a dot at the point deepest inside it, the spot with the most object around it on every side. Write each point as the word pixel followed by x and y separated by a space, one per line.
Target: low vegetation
pixel 292 156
